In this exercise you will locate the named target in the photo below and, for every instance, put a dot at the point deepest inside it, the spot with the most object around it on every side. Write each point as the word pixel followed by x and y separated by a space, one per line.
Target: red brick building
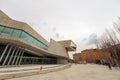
pixel 93 56
pixel 77 57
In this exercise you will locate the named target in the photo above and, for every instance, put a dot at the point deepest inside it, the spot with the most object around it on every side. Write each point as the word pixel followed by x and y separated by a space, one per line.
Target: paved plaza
pixel 78 72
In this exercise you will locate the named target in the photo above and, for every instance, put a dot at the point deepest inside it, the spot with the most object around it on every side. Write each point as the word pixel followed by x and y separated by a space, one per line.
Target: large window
pixel 23 35
pixel 1 29
pixel 32 40
pixel 16 33
pixel 7 31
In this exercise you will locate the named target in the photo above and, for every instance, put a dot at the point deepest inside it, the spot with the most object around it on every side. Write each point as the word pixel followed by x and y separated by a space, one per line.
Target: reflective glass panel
pixel 24 35
pixel 16 33
pixel 7 31
pixel 1 29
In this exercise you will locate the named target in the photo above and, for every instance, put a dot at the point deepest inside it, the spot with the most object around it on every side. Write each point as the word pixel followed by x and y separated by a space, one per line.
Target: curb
pixel 32 72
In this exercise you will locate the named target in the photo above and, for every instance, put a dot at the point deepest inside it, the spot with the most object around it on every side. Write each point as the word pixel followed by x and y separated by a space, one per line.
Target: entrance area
pixel 14 55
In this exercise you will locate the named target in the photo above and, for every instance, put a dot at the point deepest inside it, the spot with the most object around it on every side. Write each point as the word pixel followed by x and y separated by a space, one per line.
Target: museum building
pixel 22 45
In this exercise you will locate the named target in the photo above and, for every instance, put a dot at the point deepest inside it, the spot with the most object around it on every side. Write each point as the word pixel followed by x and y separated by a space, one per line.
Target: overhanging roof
pixel 69 45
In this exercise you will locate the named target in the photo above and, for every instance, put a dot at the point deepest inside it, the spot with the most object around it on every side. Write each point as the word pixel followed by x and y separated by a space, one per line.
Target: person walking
pixel 109 66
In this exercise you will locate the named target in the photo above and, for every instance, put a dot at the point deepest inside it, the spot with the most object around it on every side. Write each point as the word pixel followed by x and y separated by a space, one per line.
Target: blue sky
pixel 82 21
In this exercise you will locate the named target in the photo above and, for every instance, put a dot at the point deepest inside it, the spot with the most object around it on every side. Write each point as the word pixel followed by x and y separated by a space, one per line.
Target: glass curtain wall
pixel 38 60
pixel 23 35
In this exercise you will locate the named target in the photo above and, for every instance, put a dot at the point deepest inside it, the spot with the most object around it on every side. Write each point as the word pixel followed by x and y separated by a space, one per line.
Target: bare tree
pixel 117 47
pixel 117 25
pixel 110 41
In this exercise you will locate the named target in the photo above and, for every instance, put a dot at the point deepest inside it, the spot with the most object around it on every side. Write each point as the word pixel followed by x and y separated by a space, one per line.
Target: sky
pixel 82 21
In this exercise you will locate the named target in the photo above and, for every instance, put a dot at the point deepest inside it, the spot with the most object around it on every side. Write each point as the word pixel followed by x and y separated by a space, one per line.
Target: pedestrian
pixel 41 67
pixel 109 66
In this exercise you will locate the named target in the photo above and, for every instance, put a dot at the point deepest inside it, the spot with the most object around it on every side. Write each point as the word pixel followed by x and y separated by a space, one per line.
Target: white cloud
pixel 67 19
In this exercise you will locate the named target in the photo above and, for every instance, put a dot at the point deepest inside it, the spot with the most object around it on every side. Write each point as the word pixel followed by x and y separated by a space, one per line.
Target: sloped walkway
pixel 79 72
pixel 29 70
pixel 26 68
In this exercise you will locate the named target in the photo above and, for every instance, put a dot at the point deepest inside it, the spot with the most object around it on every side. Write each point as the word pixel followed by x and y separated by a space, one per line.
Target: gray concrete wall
pixel 62 61
pixel 57 49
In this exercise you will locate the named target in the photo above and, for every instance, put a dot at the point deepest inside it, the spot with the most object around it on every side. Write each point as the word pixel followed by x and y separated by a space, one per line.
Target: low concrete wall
pixel 32 72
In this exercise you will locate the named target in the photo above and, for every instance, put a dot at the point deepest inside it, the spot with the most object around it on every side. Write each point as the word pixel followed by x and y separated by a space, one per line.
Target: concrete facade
pixel 57 48
pixel 21 45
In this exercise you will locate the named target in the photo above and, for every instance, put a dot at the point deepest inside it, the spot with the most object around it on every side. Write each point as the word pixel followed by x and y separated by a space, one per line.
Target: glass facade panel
pixel 30 39
pixel 23 35
pixel 7 31
pixel 1 29
pixel 16 33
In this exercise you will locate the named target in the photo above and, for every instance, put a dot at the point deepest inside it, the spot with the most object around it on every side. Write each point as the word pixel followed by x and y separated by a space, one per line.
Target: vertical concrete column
pixel 18 56
pixel 15 56
pixel 7 55
pixel 4 52
pixel 11 56
pixel 21 57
